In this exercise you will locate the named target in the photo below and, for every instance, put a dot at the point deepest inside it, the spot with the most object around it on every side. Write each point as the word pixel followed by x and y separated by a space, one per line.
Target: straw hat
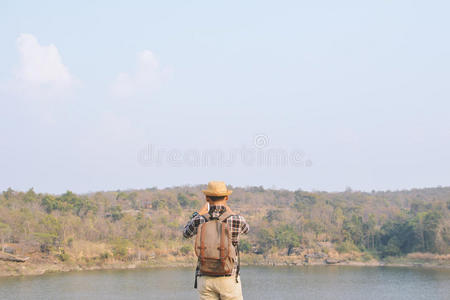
pixel 217 188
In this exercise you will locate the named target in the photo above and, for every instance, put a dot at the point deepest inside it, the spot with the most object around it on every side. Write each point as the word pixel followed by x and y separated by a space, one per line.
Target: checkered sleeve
pixel 237 225
pixel 244 225
pixel 191 227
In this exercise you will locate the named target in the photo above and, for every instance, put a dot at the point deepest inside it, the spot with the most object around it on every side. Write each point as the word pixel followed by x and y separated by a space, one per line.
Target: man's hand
pixel 204 209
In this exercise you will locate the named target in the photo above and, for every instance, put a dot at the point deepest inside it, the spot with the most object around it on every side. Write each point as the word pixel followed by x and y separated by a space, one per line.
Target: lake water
pixel 314 282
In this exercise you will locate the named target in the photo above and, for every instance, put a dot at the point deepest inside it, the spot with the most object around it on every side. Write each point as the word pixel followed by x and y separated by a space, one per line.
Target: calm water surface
pixel 316 282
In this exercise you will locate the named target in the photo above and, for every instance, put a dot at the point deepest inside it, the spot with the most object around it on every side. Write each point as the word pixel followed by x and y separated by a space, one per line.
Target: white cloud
pixel 41 72
pixel 40 64
pixel 147 77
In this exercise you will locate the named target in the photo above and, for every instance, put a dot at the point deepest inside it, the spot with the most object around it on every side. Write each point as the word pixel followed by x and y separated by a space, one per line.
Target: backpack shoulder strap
pixel 207 217
pixel 225 216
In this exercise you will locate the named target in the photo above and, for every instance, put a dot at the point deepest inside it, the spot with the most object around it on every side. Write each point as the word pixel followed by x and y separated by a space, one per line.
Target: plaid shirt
pixel 236 225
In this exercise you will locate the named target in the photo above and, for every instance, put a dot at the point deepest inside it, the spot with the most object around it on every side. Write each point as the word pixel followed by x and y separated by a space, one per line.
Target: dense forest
pixel 144 224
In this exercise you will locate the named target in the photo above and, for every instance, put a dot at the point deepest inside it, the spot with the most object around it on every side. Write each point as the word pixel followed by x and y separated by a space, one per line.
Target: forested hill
pixel 138 224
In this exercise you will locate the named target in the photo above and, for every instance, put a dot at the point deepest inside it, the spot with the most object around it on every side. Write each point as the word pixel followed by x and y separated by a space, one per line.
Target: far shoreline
pixel 38 270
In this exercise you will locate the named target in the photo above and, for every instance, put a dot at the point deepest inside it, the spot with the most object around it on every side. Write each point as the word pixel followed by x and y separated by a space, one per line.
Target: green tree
pixel 49 203
pixel 266 239
pixel 5 231
pixel 353 229
pixel 244 246
pixel 183 200
pixel 30 196
pixel 115 212
pixel 287 237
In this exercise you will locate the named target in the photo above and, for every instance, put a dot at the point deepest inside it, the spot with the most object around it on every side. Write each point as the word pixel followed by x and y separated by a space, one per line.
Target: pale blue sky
pixel 361 88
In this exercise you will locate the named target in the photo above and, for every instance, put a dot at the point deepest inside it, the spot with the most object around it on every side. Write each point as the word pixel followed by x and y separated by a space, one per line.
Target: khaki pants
pixel 223 288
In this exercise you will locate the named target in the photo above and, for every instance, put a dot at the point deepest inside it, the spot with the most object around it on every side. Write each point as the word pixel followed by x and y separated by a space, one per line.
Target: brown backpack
pixel 214 248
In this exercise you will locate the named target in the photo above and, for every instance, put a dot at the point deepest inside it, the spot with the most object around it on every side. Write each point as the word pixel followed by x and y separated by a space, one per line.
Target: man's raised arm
pixel 196 219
